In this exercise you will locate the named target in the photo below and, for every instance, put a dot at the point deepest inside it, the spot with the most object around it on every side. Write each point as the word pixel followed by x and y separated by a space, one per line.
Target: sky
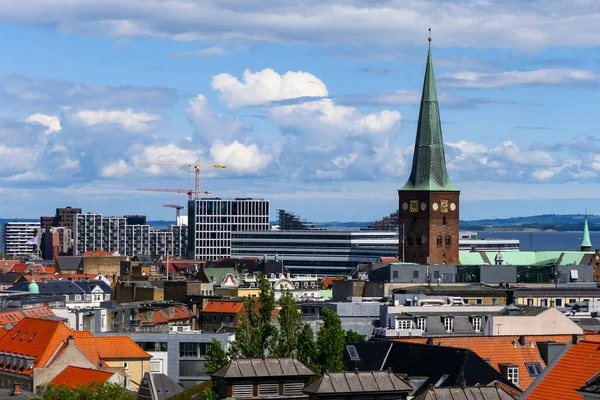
pixel 310 104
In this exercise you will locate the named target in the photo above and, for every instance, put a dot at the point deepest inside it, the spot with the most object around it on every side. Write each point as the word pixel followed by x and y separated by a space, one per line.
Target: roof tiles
pixel 105 348
pixel 74 377
pixel 233 307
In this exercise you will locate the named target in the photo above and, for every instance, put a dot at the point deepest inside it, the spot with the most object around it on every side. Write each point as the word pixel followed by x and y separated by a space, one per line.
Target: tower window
pixel 444 220
pixel 419 242
pixel 439 241
pixel 414 219
pixel 448 241
pixel 409 241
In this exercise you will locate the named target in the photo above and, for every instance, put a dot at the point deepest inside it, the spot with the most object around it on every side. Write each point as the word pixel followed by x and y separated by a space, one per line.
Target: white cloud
pixel 531 24
pixel 126 118
pixel 167 153
pixel 49 121
pixel 241 158
pixel 265 86
pixel 482 80
pixel 116 169
pixel 209 52
pixel 209 125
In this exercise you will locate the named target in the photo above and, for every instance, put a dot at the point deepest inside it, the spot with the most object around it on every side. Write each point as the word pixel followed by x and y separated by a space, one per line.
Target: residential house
pixel 35 351
pixel 78 294
pixel 523 320
pixel 376 385
pixel 423 365
pixel 136 291
pixel 493 392
pixel 266 377
pixel 559 296
pixel 570 372
pixel 520 359
pixel 221 314
pixel 74 377
pixel 157 386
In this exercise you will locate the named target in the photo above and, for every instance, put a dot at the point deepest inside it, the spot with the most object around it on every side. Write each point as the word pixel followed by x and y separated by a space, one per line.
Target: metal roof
pixel 263 367
pixel 358 382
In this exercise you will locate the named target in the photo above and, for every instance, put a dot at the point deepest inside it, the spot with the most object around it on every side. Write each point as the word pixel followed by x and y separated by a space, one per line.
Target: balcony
pixel 386 332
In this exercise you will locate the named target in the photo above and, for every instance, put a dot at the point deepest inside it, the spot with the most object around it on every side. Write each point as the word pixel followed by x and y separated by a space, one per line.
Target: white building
pixel 212 221
pixel 20 238
pixel 303 287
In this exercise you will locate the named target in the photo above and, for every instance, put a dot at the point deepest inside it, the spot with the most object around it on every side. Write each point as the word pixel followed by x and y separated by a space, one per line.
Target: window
pixel 479 301
pixel 156 366
pixel 77 297
pixel 448 241
pixel 405 324
pixel 476 322
pixel 395 274
pixel 438 241
pixel 419 242
pixel 436 274
pixel 572 301
pixel 544 303
pixel 409 241
pixel 240 391
pixel 513 375
pixel 529 302
pixel 268 389
pixel 534 369
pixel 352 352
pixel 449 324
pixel 126 365
pixel 190 349
pixel 88 297
pixel 558 302
pixel 153 346
pixel 293 388
pixel 415 274
pixel 421 323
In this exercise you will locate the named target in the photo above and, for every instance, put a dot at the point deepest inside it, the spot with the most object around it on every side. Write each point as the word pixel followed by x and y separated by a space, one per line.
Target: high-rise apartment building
pixel 211 221
pixel 20 238
pixel 95 232
pixel 64 218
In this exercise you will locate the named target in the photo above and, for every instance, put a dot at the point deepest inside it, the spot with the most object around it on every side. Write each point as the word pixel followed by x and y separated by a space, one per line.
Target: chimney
pixel 17 388
pixel 522 342
pixel 356 371
pixel 70 341
pixel 430 340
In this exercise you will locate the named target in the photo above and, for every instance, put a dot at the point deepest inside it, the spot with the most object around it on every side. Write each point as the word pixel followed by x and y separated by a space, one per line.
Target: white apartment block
pixel 212 220
pixel 18 237
pixel 94 232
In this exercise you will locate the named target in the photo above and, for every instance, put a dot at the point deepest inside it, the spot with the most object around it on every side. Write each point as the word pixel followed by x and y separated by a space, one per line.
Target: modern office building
pixel 213 221
pixel 94 232
pixel 330 252
pixel 20 238
pixel 320 252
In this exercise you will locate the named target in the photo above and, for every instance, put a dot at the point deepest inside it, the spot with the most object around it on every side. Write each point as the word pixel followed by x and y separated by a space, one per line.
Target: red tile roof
pixel 99 348
pixel 221 306
pixel 37 338
pixel 11 317
pixel 501 350
pixel 76 277
pixel 6 265
pixel 19 268
pixel 38 278
pixel 183 312
pixel 83 334
pixel 580 362
pixel 73 377
pixel 328 281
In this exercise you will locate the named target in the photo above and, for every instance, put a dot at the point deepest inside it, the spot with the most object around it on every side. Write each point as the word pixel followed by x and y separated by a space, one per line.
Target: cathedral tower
pixel 429 202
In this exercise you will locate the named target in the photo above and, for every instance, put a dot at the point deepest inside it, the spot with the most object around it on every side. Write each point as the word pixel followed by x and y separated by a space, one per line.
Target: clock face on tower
pixel 414 206
pixel 444 206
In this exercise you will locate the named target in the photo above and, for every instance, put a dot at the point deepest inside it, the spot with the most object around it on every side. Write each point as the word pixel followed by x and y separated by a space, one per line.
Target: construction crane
pixel 188 192
pixel 195 165
pixel 177 208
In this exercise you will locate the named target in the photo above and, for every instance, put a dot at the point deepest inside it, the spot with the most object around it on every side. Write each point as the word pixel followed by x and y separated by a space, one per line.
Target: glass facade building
pixel 212 222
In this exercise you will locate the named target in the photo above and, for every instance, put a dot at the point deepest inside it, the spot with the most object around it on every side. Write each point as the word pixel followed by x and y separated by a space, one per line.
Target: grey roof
pixel 9 277
pixel 163 386
pixel 50 287
pixel 466 393
pixel 7 394
pixel 69 263
pixel 144 258
pixel 87 286
pixel 592 385
pixel 263 367
pixel 358 382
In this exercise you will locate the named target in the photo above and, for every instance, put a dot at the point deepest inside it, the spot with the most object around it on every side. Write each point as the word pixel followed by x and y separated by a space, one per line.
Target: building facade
pixel 212 222
pixel 20 238
pixel 429 202
pixel 95 232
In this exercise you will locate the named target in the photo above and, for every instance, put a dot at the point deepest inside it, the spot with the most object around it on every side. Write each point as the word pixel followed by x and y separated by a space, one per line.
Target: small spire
pixel 586 243
pixel 429 35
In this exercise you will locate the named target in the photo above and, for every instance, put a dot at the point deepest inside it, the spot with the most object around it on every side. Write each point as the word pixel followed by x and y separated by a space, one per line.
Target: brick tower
pixel 429 202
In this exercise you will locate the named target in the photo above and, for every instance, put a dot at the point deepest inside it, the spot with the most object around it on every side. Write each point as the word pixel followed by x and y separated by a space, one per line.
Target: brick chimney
pixel 70 341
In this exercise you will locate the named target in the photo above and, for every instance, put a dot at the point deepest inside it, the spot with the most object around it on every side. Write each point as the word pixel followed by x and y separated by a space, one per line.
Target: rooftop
pixel 358 382
pixel 263 367
pixel 73 377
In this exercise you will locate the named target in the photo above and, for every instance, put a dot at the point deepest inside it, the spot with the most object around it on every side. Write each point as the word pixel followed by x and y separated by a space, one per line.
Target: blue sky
pixel 311 104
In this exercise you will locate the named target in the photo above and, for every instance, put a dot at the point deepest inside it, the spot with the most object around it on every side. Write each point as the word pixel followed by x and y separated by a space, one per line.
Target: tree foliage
pixel 104 391
pixel 354 337
pixel 290 324
pixel 216 358
pixel 330 343
pixel 256 331
pixel 307 347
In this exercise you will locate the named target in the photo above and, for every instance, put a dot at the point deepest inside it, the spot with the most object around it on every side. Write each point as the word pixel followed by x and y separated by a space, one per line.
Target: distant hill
pixel 556 222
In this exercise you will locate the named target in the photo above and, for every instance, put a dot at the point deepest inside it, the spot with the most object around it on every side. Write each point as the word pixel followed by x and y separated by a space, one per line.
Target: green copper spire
pixel 586 243
pixel 429 162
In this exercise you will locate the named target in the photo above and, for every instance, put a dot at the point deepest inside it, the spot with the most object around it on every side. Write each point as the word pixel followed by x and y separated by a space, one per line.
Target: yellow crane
pixel 196 165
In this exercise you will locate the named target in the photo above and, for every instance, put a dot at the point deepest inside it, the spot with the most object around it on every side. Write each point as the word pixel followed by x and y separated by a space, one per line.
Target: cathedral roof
pixel 429 162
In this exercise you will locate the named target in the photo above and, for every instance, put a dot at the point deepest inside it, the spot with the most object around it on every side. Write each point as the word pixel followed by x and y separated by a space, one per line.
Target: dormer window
pixel 476 323
pixel 448 323
pixel 421 323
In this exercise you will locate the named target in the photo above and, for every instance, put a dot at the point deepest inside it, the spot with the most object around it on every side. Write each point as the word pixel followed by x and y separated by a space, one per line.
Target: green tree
pixel 353 337
pixel 306 346
pixel 216 358
pixel 103 391
pixel 330 343
pixel 290 324
pixel 255 333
